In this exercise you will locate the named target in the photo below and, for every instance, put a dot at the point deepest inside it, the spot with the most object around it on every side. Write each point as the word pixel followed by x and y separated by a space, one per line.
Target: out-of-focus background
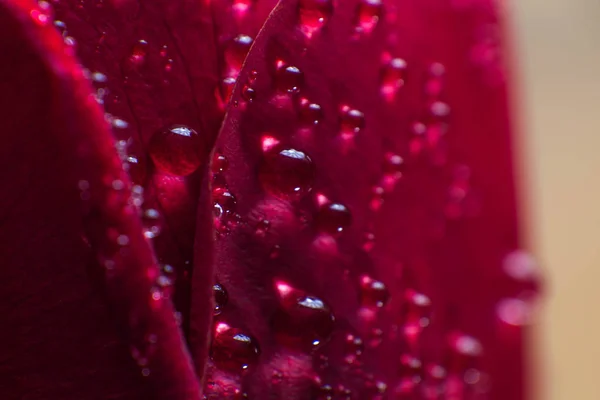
pixel 558 55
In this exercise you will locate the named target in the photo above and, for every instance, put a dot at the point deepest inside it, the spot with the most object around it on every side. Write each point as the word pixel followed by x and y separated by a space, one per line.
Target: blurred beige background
pixel 558 43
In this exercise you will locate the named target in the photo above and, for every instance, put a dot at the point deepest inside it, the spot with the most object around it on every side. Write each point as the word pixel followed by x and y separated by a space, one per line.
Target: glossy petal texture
pixel 401 109
pixel 72 239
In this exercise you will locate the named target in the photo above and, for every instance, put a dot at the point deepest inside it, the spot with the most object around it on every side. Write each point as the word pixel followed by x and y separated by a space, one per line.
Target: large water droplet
pixel 313 14
pixel 369 12
pixel 232 349
pixel 287 173
pixel 333 218
pixel 302 320
pixel 177 150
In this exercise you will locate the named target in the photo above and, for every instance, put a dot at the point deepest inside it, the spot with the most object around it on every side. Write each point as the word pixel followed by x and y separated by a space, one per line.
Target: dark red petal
pixel 71 238
pixel 397 112
pixel 154 67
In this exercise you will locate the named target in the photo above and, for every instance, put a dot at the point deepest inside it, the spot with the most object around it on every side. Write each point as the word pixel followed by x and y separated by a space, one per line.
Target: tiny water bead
pixel 333 218
pixel 220 163
pixel 287 173
pixel 220 297
pixel 138 53
pixel 373 293
pixel 288 78
pixel 313 15
pixel 417 308
pixel 352 121
pixel 310 113
pixel 237 51
pixel 302 320
pixel 410 367
pixel 515 311
pixel 464 351
pixel 233 349
pixel 177 150
pixel 393 75
pixel 368 14
pixel 241 7
pixel 248 93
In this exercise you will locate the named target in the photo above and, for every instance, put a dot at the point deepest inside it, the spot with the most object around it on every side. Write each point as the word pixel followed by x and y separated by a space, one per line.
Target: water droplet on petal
pixel 177 150
pixel 221 298
pixel 310 113
pixel 302 320
pixel 393 75
pixel 513 311
pixel 138 53
pixel 289 78
pixel 248 93
pixel 233 349
pixel 352 121
pixel 373 293
pixel 333 218
pixel 236 53
pixel 369 12
pixel 287 173
pixel 220 163
pixel 313 15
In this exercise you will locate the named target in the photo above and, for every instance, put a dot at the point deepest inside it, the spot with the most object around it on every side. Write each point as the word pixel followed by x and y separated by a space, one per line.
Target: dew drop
pixel 248 93
pixel 233 349
pixel 177 150
pixel 302 320
pixel 224 200
pixel 410 367
pixel 227 85
pixel 393 75
pixel 465 350
pixel 241 7
pixel 435 83
pixel 375 337
pixel 313 15
pixel 262 227
pixel 236 52
pixel 352 121
pixel 287 173
pixel 310 113
pixel 138 53
pixel 373 293
pixel 166 280
pixel 324 391
pixel 369 12
pixel 516 312
pixel 288 78
pixel 221 298
pixel 333 218
pixel 417 313
pixel 220 163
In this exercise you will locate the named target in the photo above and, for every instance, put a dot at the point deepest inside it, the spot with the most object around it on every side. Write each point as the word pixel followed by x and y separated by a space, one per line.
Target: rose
pixel 358 213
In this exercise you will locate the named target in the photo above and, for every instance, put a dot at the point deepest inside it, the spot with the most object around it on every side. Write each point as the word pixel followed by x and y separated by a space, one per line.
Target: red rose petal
pixel 412 136
pixel 154 67
pixel 72 237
